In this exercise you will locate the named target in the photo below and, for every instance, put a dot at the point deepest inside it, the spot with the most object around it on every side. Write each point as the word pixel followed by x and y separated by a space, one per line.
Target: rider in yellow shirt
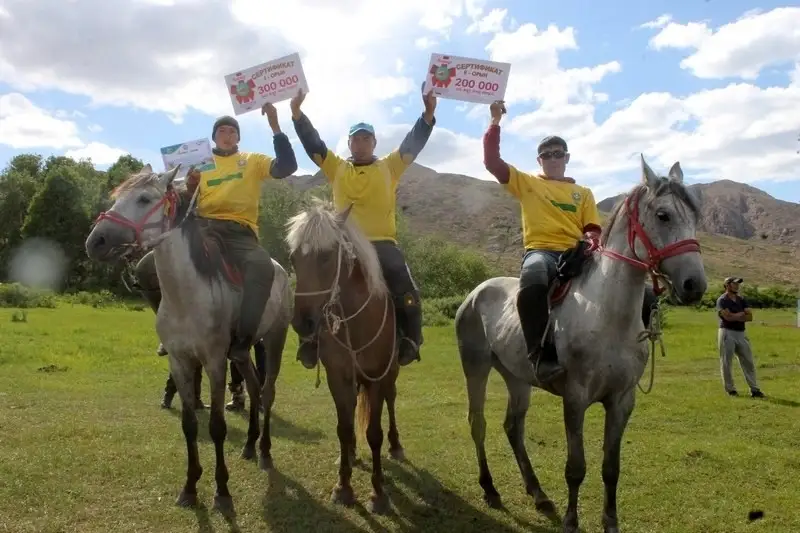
pixel 370 185
pixel 228 203
pixel 559 218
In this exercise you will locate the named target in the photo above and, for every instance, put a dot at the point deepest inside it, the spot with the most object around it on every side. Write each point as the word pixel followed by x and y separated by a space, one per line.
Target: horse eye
pixel 662 216
pixel 143 200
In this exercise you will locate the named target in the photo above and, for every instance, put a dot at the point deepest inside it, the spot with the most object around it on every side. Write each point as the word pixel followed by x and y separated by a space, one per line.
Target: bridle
pixel 654 255
pixel 333 315
pixel 169 204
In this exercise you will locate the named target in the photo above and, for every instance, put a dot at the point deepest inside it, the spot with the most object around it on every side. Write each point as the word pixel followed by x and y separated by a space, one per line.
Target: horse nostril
pixel 689 285
pixel 99 242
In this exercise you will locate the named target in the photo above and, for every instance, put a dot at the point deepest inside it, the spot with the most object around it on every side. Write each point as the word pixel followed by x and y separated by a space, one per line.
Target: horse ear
pixel 649 178
pixel 167 177
pixel 341 218
pixel 147 168
pixel 676 173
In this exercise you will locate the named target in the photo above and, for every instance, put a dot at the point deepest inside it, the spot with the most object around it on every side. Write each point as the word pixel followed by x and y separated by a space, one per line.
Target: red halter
pixel 655 255
pixel 169 202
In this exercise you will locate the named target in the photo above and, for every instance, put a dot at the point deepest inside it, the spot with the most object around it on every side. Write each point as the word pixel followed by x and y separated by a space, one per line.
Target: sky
pixel 713 84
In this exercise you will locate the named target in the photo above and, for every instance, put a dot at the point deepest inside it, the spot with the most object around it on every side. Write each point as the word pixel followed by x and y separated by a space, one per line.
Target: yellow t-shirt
pixel 372 189
pixel 554 213
pixel 233 189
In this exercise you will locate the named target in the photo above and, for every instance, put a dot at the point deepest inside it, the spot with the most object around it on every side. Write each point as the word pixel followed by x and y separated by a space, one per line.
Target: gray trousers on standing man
pixel 732 342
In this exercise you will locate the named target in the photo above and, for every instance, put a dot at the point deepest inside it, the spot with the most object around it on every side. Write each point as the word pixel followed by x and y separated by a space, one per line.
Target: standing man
pixel 558 217
pixel 370 184
pixel 228 202
pixel 733 312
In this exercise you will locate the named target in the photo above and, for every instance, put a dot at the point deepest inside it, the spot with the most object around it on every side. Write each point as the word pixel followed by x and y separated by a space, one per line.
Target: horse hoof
pixel 493 500
pixel 224 504
pixel 265 463
pixel 548 509
pixel 248 453
pixel 379 504
pixel 186 500
pixel 398 454
pixel 343 496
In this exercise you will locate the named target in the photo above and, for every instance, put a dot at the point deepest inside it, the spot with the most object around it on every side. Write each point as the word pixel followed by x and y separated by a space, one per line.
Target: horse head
pixel 332 261
pixel 145 207
pixel 661 233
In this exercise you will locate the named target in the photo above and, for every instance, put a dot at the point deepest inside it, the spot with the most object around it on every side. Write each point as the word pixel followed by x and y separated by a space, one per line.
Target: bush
pixel 759 298
pixel 98 300
pixel 16 295
pixel 440 311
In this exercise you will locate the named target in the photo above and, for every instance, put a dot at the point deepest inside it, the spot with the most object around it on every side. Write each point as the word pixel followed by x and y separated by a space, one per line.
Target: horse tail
pixel 363 410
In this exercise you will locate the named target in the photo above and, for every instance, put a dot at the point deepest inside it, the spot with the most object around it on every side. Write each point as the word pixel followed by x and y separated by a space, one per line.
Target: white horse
pixel 198 312
pixel 596 330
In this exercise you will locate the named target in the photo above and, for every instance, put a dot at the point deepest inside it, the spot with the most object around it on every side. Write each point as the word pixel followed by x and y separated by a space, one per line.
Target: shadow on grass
pixel 419 503
pixel 782 402
pixel 280 428
pixel 235 435
pixel 440 509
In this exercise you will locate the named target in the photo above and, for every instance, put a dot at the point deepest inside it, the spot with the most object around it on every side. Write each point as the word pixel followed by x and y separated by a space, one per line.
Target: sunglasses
pixel 558 154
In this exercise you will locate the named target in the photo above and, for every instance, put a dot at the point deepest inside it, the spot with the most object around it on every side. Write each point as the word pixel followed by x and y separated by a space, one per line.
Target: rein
pixel 334 322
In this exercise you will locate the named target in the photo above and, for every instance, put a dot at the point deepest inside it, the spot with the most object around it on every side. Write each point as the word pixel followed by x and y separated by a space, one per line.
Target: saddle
pixel 569 266
pixel 217 252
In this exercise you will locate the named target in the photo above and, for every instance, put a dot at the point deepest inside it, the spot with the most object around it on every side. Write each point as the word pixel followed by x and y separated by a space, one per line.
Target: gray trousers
pixel 732 342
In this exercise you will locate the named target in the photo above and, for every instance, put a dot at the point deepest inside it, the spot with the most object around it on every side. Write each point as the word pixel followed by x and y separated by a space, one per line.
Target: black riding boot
pixel 408 316
pixel 532 307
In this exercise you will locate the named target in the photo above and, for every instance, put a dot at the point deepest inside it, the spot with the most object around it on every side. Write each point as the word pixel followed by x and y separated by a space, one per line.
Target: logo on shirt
pixel 576 196
pixel 219 181
pixel 242 163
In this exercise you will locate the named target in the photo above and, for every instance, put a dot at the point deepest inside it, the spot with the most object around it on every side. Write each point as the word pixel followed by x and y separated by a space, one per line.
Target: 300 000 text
pixel 281 83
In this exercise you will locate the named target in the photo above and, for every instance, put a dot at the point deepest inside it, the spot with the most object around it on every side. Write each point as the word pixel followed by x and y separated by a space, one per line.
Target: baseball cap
pixel 362 126
pixel 552 140
pixel 732 279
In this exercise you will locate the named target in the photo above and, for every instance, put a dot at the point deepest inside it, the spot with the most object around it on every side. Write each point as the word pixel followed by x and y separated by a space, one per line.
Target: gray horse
pixel 198 313
pixel 596 330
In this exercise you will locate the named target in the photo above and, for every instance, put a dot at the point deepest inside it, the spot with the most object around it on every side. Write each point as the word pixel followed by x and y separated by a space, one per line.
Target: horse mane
pixel 665 186
pixel 318 229
pixel 210 266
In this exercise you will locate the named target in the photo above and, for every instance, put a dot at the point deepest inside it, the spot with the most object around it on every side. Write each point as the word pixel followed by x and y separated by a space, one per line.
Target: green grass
pixel 85 447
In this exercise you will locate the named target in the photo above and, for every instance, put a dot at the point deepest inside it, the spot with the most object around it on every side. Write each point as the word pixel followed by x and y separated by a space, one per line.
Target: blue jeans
pixel 538 268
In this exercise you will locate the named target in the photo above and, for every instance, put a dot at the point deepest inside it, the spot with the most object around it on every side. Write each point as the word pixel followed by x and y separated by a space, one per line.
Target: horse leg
pixel 396 451
pixel 575 471
pixel 618 412
pixel 248 372
pixel 519 399
pixel 218 430
pixel 344 397
pixel 182 373
pixel 370 410
pixel 477 364
pixel 274 344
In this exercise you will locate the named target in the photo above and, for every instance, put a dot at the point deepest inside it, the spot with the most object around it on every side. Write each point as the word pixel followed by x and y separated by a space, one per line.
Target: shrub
pixel 20 296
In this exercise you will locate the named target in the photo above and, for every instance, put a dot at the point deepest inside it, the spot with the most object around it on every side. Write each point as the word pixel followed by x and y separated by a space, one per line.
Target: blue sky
pixel 61 94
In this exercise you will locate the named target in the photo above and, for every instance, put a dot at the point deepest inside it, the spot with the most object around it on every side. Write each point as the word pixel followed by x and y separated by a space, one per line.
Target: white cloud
pixel 659 22
pixel 148 54
pixel 100 154
pixel 741 48
pixel 536 74
pixel 24 125
pixel 491 23
pixel 424 43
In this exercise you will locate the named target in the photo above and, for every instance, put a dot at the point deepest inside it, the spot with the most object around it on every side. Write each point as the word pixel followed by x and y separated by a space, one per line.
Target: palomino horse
pixel 596 331
pixel 198 313
pixel 341 298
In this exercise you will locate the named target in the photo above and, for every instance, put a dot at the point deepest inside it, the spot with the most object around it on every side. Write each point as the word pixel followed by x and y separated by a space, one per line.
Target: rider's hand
pixel 429 101
pixel 272 117
pixel 497 109
pixel 296 102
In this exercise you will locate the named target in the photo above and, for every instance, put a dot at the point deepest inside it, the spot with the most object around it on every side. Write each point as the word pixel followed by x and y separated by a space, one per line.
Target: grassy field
pixel 85 447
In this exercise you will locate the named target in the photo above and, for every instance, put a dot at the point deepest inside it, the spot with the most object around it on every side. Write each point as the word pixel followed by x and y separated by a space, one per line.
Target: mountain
pixel 744 231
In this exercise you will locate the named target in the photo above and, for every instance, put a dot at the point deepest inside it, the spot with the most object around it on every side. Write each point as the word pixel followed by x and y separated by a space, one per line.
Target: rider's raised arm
pixel 491 155
pixel 590 217
pixel 285 162
pixel 413 143
pixel 315 147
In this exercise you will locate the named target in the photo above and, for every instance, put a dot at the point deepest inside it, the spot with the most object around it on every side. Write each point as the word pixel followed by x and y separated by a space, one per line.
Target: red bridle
pixel 169 202
pixel 655 255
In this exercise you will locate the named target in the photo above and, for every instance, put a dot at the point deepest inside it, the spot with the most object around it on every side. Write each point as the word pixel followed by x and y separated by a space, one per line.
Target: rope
pixel 655 336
